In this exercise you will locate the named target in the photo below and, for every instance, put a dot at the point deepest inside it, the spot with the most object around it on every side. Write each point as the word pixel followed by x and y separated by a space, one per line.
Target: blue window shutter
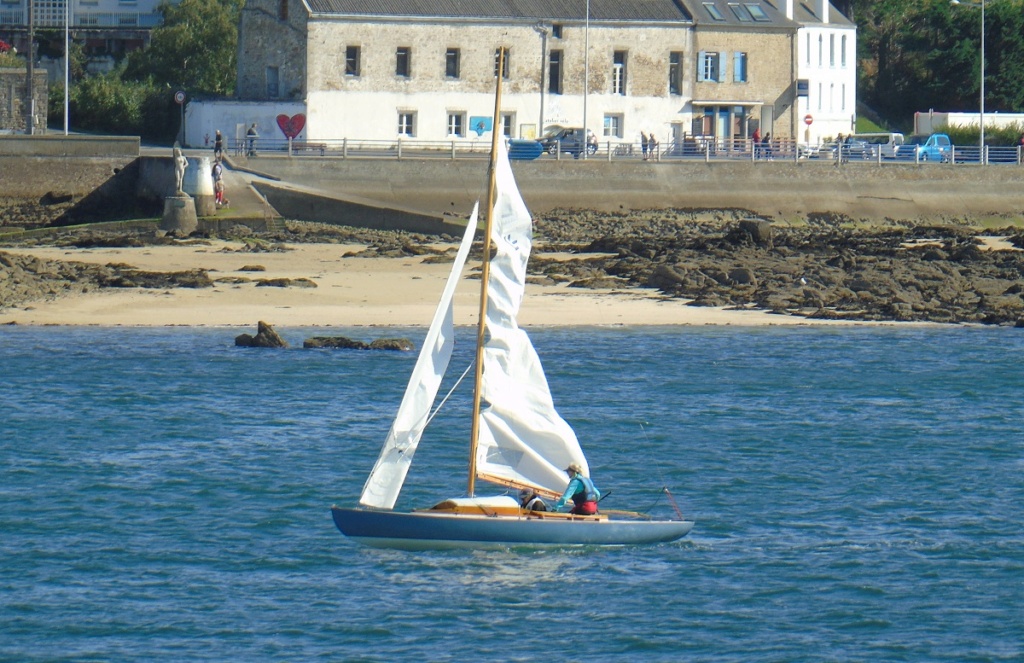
pixel 737 67
pixel 700 65
pixel 722 64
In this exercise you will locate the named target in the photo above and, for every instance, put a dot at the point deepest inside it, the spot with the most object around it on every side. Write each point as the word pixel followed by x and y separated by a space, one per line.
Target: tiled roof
pixel 748 13
pixel 550 10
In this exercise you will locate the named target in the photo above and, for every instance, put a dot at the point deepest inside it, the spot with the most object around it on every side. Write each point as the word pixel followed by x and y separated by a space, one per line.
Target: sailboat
pixel 518 440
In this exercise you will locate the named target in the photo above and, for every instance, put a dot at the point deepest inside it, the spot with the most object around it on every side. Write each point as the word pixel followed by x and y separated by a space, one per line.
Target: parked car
pixel 568 140
pixel 936 147
pixel 871 145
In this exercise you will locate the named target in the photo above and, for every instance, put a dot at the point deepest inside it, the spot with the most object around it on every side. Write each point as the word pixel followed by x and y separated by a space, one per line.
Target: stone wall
pixel 12 99
pixel 780 191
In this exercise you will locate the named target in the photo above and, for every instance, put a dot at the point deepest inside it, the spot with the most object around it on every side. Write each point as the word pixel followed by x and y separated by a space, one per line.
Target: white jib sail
pixel 523 440
pixel 385 481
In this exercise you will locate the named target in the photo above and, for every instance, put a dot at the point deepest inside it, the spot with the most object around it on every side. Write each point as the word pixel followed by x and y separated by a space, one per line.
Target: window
pixel 675 72
pixel 613 126
pixel 555 72
pixel 842 100
pixel 507 122
pixel 402 59
pixel 739 67
pixel 741 13
pixel 757 12
pixel 282 10
pixel 556 31
pixel 273 84
pixel 352 61
pixel 842 53
pixel 406 123
pixel 497 59
pixel 619 72
pixel 831 97
pixel 808 49
pixel 819 96
pixel 820 47
pixel 710 67
pixel 713 11
pixel 451 63
pixel 456 124
pixel 832 51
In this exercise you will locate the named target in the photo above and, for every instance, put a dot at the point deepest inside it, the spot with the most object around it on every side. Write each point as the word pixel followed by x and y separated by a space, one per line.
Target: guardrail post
pixel 344 148
pixel 289 146
pixel 609 144
pixel 399 147
pixel 453 150
pixel 707 152
pixel 984 155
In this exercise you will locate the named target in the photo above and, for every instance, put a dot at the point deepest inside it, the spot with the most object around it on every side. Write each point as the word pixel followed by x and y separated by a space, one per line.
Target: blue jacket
pixel 580 489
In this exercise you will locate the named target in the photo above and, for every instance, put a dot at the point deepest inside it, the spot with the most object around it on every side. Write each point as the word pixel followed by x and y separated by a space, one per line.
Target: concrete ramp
pixel 309 205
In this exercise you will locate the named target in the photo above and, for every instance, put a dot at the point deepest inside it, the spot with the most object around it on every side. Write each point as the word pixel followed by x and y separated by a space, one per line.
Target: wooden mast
pixel 496 135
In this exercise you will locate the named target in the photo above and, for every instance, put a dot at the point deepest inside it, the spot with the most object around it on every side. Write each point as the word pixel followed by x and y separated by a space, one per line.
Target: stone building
pixel 373 70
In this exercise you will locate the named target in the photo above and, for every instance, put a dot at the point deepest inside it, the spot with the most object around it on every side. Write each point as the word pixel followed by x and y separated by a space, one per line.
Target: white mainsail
pixel 523 440
pixel 385 481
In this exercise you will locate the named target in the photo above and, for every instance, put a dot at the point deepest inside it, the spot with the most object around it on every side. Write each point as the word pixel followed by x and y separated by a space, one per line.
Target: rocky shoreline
pixel 827 268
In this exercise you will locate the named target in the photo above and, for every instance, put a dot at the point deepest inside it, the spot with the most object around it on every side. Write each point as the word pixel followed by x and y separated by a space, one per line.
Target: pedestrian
pixel 218 183
pixel 251 135
pixel 766 145
pixel 643 144
pixel 757 143
pixel 218 145
pixel 652 146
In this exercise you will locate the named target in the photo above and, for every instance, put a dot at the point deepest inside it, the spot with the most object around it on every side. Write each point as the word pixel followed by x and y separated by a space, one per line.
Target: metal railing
pixel 698 148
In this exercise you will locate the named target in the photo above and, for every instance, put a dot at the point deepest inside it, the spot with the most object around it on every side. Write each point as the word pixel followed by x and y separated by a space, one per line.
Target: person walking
pixel 218 146
pixel 251 135
pixel 652 146
pixel 756 137
pixel 643 144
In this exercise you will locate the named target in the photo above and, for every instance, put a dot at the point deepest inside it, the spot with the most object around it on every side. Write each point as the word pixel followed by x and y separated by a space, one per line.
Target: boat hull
pixel 425 530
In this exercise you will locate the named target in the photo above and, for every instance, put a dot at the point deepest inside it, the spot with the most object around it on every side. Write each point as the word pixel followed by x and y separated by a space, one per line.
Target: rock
pixel 396 344
pixel 344 343
pixel 336 342
pixel 265 337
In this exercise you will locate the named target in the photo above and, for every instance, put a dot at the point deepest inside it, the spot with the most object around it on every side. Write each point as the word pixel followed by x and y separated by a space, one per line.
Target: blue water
pixel 857 496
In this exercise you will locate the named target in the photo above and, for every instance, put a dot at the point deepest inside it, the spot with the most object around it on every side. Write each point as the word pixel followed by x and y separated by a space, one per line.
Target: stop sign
pixel 808 119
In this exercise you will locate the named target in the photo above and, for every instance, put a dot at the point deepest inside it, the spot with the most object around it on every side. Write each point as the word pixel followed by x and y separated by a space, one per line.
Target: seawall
pixel 782 190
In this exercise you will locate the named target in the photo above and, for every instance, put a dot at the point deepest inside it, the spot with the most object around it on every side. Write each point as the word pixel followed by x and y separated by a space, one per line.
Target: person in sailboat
pixel 531 501
pixel 581 490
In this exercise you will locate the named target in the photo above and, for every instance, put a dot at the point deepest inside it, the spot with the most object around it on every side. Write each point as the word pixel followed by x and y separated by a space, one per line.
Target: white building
pixel 107 28
pixel 826 71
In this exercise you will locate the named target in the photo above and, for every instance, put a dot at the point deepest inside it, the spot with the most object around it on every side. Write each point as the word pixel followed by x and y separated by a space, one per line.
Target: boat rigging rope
pixel 450 392
pixel 664 484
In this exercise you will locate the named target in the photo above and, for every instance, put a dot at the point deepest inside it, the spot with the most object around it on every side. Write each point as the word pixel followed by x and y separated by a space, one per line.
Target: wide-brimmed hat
pixel 574 467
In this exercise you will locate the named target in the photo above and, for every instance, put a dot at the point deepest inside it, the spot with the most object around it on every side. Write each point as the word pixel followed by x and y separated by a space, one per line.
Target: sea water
pixel 857 493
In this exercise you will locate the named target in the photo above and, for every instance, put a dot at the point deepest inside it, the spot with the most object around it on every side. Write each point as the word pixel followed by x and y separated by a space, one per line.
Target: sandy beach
pixel 350 291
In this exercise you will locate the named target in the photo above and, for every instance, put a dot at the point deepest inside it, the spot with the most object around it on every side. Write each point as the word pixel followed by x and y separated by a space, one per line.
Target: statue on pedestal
pixel 180 164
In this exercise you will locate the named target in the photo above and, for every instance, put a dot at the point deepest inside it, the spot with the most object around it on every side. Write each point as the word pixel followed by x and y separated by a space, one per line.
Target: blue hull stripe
pixel 445 530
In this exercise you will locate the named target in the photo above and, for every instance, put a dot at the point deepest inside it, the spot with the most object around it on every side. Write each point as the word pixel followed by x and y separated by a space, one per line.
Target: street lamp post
pixel 981 104
pixel 586 81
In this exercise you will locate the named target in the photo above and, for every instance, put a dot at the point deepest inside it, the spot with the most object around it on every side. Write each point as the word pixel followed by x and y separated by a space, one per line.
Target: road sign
pixel 807 119
pixel 179 97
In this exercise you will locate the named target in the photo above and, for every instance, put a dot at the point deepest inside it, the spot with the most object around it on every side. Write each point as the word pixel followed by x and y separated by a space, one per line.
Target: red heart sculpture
pixel 291 126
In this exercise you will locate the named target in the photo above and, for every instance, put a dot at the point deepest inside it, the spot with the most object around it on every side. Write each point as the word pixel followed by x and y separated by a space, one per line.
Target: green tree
pixel 194 49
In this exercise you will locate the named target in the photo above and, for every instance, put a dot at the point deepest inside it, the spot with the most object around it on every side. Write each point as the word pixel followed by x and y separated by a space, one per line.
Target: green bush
pixel 109 104
pixel 999 136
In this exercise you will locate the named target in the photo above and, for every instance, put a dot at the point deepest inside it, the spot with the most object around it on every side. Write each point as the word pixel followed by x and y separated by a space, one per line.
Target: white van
pixel 873 143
